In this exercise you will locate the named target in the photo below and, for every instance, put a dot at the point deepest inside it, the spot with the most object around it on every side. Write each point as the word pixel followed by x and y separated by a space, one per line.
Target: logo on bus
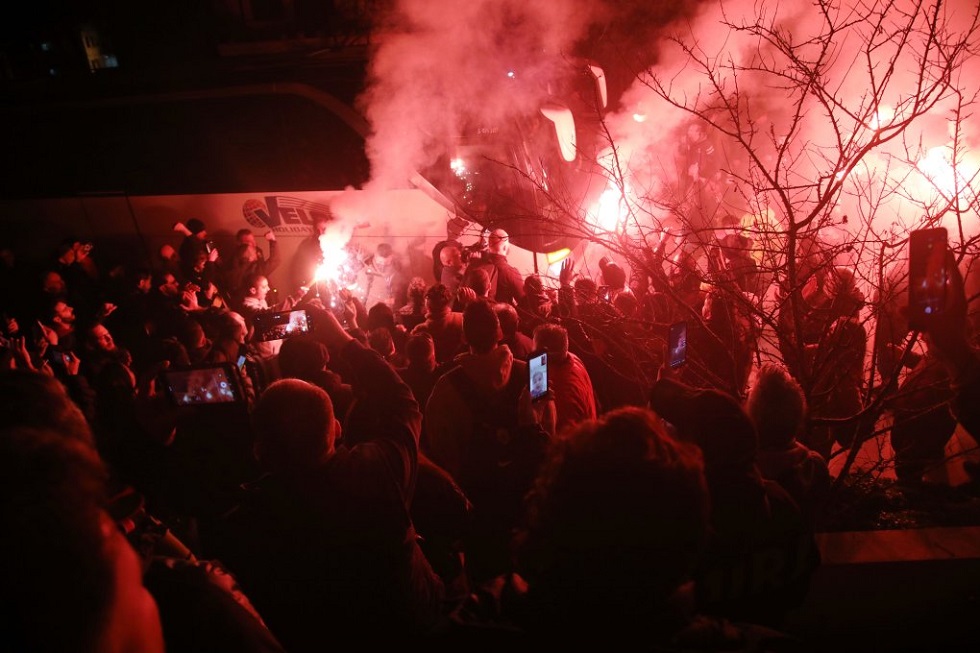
pixel 284 215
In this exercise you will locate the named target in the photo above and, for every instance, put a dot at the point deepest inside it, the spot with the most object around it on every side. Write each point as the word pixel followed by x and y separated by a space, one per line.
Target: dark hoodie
pixel 761 552
pixel 474 430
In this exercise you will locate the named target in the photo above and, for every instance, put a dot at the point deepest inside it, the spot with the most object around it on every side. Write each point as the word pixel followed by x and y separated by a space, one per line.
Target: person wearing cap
pixel 613 278
pixel 506 283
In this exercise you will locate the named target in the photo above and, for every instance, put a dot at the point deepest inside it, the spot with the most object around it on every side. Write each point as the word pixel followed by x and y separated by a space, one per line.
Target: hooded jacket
pixel 448 416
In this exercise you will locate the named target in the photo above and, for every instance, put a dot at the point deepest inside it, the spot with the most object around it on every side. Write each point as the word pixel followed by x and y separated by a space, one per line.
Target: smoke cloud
pixel 441 65
pixel 646 148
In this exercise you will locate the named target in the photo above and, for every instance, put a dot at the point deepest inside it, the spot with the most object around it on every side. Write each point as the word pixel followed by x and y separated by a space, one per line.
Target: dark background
pixel 126 123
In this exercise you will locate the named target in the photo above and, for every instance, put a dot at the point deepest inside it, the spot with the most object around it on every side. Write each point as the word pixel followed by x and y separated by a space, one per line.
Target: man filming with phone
pixel 325 540
pixel 255 302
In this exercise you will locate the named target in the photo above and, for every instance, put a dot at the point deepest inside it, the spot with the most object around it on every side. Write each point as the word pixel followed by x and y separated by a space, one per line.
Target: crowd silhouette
pixel 385 481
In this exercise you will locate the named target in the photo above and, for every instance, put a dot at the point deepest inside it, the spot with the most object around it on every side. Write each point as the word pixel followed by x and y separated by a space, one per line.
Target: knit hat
pixel 613 275
pixel 195 226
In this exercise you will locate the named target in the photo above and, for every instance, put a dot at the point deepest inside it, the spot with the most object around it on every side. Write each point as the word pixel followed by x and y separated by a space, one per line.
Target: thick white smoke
pixel 766 99
pixel 441 64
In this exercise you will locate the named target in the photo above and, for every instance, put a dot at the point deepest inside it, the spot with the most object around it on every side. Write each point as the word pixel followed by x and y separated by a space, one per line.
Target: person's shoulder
pixel 784 509
pixel 190 593
pixel 454 318
pixel 500 260
pixel 708 633
pixel 447 386
pixel 810 456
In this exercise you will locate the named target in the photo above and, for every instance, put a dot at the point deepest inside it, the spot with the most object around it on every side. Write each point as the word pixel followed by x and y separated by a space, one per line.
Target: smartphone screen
pixel 677 344
pixel 537 370
pixel 927 274
pixel 282 324
pixel 241 362
pixel 201 386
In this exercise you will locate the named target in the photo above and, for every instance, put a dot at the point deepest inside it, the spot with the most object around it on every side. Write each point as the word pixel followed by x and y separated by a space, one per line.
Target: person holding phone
pixel 566 377
pixel 193 247
pixel 255 302
pixel 484 429
pixel 539 387
pixel 247 261
pixel 677 344
pixel 950 370
pixel 325 541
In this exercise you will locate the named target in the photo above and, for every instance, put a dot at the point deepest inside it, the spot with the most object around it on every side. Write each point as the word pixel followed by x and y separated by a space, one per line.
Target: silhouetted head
pixel 479 280
pixel 552 338
pixel 196 227
pixel 777 406
pixel 617 518
pixel 295 428
pixel 438 299
pixel 508 318
pixel 71 581
pixel 612 275
pixel 420 350
pixel 481 328
pixel 302 357
pixel 380 316
pixel 712 420
pixel 39 401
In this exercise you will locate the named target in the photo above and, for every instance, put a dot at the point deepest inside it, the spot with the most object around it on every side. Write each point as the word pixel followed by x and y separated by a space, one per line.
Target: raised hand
pixel 72 363
pixel 567 272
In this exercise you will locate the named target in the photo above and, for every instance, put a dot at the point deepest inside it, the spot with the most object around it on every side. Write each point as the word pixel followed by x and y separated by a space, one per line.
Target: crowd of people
pixel 384 480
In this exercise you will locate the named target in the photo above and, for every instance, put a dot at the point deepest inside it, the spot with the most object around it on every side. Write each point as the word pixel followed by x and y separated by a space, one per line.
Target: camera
pixel 475 251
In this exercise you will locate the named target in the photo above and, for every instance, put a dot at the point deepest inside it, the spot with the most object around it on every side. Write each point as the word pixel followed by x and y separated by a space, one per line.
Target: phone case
pixel 537 370
pixel 927 275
